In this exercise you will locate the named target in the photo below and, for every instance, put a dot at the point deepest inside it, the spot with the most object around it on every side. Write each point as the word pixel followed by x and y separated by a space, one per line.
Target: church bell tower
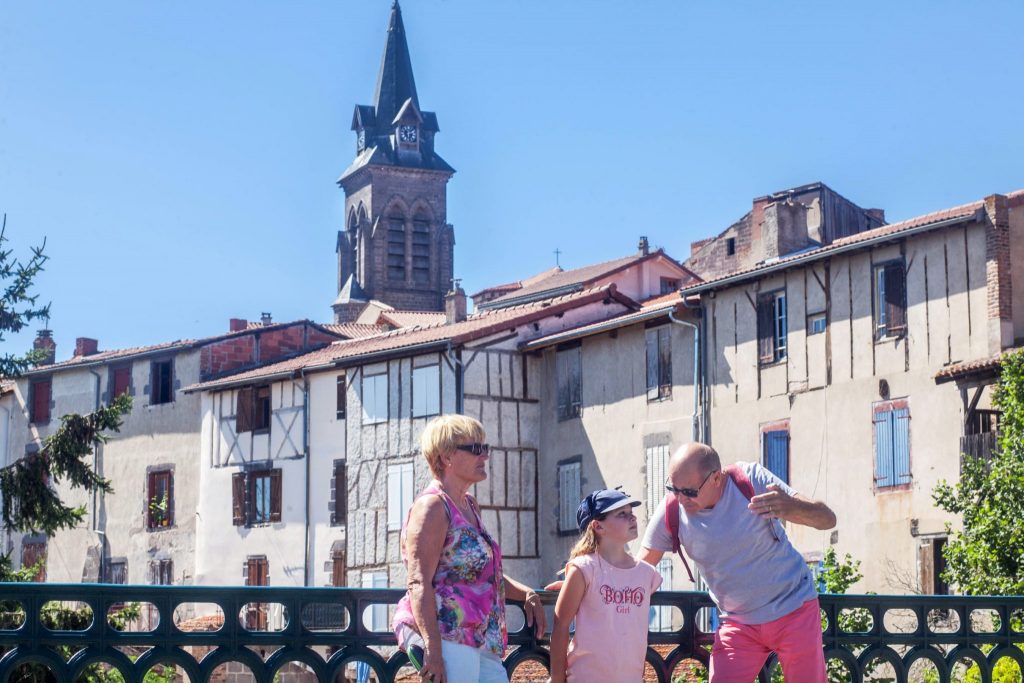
pixel 397 246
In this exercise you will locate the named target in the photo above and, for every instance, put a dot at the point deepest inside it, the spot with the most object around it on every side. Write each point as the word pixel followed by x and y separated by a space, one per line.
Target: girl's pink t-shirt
pixel 610 643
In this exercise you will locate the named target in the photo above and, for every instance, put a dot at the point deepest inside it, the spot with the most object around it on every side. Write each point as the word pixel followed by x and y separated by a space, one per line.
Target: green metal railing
pixel 325 632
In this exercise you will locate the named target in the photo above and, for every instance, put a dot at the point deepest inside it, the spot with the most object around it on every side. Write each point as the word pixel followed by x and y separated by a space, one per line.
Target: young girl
pixel 608 593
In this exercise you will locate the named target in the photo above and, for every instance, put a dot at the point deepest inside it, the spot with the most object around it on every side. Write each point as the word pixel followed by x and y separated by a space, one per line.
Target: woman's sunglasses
pixel 477 449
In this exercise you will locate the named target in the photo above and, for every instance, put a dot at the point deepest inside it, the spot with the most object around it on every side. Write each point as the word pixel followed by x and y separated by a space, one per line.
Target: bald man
pixel 761 584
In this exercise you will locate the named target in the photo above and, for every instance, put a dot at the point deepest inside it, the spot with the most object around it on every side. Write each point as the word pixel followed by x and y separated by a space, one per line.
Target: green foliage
pixel 158 508
pixel 986 557
pixel 30 501
pixel 18 306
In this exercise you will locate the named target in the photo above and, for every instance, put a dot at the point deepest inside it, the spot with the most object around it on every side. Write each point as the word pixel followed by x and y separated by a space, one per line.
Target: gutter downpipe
pixel 95 522
pixel 306 454
pixel 695 431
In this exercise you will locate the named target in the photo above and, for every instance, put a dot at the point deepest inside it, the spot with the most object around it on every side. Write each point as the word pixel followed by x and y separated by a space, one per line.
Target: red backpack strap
pixel 740 478
pixel 672 526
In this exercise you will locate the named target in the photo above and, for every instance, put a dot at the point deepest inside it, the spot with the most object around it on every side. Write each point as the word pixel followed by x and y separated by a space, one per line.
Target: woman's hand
pixel 535 615
pixel 433 665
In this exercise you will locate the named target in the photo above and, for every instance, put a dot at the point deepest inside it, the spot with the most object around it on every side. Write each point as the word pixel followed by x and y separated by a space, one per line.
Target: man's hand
pixel 777 504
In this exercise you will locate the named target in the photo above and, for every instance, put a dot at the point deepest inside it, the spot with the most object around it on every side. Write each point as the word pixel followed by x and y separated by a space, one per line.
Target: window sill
pixel 889 340
pixel 374 422
pixel 153 529
pixel 895 488
pixel 160 405
pixel 774 363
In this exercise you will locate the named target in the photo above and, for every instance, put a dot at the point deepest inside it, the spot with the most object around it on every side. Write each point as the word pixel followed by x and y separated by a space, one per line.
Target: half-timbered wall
pixel 832 384
pixel 501 387
pixel 302 421
pixel 619 433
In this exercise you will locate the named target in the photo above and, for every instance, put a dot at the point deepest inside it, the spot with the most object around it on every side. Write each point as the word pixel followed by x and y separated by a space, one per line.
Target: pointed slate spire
pixel 395 83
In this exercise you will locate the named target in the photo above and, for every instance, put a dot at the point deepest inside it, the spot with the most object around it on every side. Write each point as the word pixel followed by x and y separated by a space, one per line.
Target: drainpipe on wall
pixel 695 430
pixel 305 452
pixel 95 493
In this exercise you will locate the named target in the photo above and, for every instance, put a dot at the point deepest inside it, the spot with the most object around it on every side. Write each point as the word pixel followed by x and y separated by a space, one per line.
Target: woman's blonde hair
pixel 443 434
pixel 587 545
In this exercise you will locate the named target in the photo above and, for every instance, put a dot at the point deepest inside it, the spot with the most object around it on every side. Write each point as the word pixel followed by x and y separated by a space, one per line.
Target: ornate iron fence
pixel 327 634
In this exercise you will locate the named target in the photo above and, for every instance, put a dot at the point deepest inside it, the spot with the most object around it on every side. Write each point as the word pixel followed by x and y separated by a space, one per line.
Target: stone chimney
pixel 265 319
pixel 44 341
pixel 237 324
pixel 876 215
pixel 84 346
pixel 643 248
pixel 455 304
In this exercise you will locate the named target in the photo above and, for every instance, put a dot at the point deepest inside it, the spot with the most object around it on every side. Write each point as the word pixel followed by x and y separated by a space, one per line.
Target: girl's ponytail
pixel 587 545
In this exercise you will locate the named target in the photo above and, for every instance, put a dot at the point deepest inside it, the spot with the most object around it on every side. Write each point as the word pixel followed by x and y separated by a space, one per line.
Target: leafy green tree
pixel 30 501
pixel 986 556
pixel 27 487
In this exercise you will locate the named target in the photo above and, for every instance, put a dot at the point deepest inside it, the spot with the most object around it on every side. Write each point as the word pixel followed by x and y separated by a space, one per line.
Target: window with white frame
pixel 375 398
pixel 657 475
pixel 376 618
pixel 426 391
pixel 772 327
pixel 400 494
pixel 569 495
pixel 816 323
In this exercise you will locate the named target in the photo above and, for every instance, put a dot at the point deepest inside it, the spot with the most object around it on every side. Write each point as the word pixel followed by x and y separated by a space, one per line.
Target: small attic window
pixel 730 246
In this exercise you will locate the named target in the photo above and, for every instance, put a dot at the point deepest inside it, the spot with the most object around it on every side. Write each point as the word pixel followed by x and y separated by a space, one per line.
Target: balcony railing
pixel 199 634
pixel 982 445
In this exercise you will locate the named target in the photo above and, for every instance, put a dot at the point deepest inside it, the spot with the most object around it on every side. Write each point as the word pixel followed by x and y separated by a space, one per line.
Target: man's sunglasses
pixel 690 493
pixel 477 449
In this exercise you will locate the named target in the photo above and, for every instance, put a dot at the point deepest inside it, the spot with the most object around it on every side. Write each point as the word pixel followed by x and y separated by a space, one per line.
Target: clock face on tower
pixel 407 133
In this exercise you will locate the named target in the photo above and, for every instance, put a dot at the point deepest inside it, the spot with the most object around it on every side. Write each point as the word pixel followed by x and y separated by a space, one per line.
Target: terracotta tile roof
pixel 525 282
pixel 352 330
pixel 106 356
pixel 567 279
pixel 981 366
pixel 210 622
pixel 964 211
pixel 478 325
pixel 649 309
pixel 412 318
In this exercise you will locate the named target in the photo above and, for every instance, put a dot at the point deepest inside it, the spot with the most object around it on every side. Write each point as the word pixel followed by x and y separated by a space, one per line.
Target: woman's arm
pixel 532 605
pixel 424 539
pixel 569 599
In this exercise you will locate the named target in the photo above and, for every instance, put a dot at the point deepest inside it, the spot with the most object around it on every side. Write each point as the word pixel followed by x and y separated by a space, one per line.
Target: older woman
pixel 456 596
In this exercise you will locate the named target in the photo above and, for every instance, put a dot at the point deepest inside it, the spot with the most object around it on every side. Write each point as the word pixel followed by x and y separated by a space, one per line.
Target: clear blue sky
pixel 180 158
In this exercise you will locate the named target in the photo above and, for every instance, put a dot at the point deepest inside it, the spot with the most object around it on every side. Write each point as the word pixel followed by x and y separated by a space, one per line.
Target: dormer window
pixel 408 135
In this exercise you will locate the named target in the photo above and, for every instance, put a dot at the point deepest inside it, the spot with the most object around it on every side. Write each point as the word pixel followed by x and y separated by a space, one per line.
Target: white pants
pixel 465 664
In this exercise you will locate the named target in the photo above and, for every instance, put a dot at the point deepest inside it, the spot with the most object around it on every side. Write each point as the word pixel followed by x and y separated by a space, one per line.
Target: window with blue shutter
pixel 775 452
pixel 892 444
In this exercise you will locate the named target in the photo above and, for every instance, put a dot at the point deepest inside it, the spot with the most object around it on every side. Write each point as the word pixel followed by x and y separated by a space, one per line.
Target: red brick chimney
pixel 237 324
pixel 44 341
pixel 84 346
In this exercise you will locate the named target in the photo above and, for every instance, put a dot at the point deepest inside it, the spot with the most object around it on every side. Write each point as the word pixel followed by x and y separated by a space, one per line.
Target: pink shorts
pixel 741 649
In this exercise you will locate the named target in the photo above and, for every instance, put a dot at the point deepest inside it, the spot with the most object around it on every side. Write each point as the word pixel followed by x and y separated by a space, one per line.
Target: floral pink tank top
pixel 469 586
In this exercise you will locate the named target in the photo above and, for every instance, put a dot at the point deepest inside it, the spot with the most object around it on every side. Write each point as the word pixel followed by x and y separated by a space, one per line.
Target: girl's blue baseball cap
pixel 601 503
